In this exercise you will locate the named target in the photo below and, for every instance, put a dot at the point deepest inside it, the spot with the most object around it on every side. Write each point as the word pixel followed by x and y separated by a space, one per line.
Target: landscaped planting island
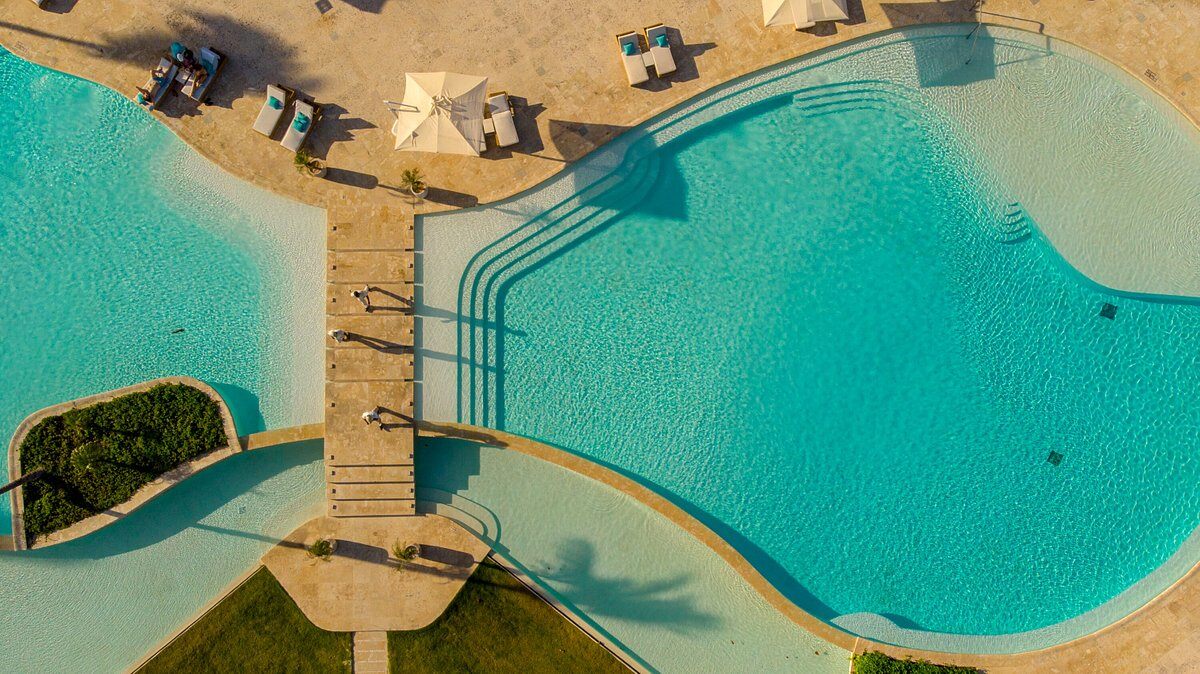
pixel 98 456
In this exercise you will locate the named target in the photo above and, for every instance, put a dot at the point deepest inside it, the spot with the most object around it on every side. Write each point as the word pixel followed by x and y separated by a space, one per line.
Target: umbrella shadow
pixel 574 139
pixel 335 127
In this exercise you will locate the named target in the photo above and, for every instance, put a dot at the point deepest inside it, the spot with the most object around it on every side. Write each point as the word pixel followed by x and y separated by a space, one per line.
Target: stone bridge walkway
pixel 369 465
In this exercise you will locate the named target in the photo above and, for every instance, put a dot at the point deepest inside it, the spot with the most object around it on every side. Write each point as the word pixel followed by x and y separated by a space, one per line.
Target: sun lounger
pixel 159 84
pixel 631 57
pixel 272 109
pixel 212 61
pixel 502 120
pixel 300 126
pixel 660 49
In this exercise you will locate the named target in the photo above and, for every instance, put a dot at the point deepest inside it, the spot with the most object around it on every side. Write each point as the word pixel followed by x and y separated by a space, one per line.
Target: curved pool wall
pixel 127 256
pixel 636 577
pixel 101 602
pixel 474 263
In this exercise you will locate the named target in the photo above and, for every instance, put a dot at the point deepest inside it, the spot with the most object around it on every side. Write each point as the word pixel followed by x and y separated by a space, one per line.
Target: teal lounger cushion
pixel 661 39
pixel 628 48
pixel 301 123
pixel 274 103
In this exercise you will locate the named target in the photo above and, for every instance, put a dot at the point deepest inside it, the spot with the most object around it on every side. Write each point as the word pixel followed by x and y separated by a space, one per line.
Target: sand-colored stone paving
pixel 362 587
pixel 557 60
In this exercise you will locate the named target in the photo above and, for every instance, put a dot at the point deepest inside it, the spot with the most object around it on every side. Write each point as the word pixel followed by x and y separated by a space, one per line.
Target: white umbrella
pixel 803 13
pixel 441 112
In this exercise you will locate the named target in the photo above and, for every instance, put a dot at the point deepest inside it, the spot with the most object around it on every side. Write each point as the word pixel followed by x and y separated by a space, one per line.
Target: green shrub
pixel 874 662
pixel 98 456
pixel 321 548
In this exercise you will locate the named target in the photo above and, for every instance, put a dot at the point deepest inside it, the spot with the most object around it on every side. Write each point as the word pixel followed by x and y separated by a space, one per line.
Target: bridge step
pixel 390 298
pixel 352 474
pixel 367 364
pixel 369 490
pixel 369 266
pixel 371 508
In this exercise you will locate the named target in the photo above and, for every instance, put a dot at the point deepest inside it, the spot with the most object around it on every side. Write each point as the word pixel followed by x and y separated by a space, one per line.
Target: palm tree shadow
pixel 668 601
pixel 256 58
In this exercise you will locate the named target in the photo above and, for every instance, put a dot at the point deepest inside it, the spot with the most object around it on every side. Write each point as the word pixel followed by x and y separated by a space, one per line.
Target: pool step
pixel 1013 226
pixel 606 200
pixel 834 99
pixel 371 508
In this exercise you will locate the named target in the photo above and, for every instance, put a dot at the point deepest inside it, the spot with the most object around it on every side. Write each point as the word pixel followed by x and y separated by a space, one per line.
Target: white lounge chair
pixel 159 84
pixel 631 57
pixel 212 61
pixel 502 120
pixel 272 110
pixel 660 49
pixel 301 125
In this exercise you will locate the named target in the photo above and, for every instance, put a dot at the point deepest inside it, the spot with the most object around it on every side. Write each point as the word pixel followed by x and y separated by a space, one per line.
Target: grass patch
pixel 257 628
pixel 497 625
pixel 98 456
pixel 874 662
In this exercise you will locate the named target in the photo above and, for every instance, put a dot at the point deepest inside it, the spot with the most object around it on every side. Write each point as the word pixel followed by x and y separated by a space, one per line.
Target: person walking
pixel 363 296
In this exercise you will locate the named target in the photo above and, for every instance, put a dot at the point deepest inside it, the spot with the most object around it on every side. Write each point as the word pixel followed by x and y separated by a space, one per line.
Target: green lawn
pixel 257 628
pixel 496 625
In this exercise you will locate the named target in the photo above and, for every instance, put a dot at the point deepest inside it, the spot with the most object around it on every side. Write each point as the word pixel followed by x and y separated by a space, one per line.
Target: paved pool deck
pixel 557 60
pixel 362 587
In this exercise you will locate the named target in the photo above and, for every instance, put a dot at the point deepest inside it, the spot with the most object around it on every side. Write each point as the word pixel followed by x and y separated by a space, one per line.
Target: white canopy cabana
pixel 441 112
pixel 803 13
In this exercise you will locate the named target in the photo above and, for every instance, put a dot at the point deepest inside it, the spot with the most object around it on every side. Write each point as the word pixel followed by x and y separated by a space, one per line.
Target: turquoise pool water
pixel 828 319
pixel 633 575
pixel 126 256
pixel 99 603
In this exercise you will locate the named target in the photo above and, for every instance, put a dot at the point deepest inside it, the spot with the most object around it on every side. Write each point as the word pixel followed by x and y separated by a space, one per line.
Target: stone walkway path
pixel 370 653
pixel 369 466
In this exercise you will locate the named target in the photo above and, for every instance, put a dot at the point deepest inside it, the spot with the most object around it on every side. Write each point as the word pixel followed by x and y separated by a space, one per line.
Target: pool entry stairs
pixel 554 232
pixel 369 465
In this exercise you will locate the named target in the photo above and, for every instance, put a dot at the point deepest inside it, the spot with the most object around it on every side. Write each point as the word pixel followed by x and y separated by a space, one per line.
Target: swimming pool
pixel 826 310
pixel 127 257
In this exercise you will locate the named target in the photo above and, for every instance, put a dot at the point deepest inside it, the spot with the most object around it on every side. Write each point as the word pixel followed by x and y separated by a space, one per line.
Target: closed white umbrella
pixel 803 13
pixel 441 112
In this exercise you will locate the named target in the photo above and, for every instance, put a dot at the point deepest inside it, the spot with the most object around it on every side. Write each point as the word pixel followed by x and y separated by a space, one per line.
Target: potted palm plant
pixel 415 182
pixel 306 163
pixel 322 548
pixel 404 553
